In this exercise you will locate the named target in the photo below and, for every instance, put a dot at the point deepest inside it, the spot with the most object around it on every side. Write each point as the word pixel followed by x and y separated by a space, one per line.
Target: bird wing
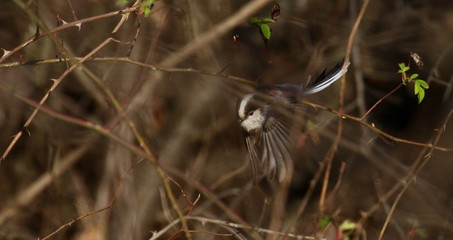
pixel 269 150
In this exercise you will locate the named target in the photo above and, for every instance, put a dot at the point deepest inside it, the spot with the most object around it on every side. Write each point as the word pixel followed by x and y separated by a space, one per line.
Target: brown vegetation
pixel 136 136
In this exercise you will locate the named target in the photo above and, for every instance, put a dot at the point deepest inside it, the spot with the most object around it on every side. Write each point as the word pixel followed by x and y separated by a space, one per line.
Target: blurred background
pixel 59 171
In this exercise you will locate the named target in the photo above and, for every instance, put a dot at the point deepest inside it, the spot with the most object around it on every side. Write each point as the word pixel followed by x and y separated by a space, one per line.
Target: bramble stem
pixel 380 100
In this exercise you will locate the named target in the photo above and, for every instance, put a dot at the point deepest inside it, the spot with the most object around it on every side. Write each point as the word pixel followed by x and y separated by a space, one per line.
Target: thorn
pixel 28 132
pixel 5 52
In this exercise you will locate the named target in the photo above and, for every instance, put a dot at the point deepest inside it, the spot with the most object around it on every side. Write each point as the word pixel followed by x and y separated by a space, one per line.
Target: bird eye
pixel 250 113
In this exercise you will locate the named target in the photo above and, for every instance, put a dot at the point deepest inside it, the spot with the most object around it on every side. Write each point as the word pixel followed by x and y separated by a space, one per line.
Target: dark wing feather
pixel 269 150
pixel 270 159
pixel 281 138
pixel 252 148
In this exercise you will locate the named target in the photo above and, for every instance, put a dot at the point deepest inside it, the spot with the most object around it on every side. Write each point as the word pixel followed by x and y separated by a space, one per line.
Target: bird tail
pixel 326 78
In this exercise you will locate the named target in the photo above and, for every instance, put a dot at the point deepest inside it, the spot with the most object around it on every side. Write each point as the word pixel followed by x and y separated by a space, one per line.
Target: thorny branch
pixel 204 220
pixel 139 151
pixel 109 95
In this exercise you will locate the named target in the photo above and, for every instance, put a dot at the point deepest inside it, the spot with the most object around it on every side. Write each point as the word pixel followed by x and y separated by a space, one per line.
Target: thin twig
pixel 192 47
pixel 376 130
pixel 204 220
pixel 139 152
pixel 137 33
pixel 380 100
pixel 234 78
pixel 27 195
pixel 55 84
pixel 192 204
pixel 333 148
pixel 62 27
pixel 112 99
pixel 72 10
pixel 108 206
pixel 128 60
pixel 418 165
pixel 307 196
pixel 337 184
pixel 201 231
pixel 220 29
pixel 112 201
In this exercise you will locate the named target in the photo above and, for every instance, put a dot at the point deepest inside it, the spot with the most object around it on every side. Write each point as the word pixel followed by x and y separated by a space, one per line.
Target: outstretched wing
pixel 326 78
pixel 269 150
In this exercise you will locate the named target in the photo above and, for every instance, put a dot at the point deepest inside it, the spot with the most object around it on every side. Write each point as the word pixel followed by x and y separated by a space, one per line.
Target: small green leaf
pixel 421 95
pixel 417 88
pixel 413 76
pixel 146 12
pixel 403 68
pixel 325 221
pixel 347 225
pixel 146 6
pixel 254 21
pixel 267 20
pixel 422 83
pixel 266 31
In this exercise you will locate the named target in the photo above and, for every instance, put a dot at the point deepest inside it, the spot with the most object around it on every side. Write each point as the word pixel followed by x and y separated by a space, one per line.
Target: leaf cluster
pixel 419 85
pixel 265 30
pixel 263 23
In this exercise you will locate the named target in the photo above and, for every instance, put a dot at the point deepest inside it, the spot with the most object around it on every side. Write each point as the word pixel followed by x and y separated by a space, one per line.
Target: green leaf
pixel 403 68
pixel 417 88
pixel 422 83
pixel 146 6
pixel 347 225
pixel 146 12
pixel 325 221
pixel 266 31
pixel 267 20
pixel 413 76
pixel 421 95
pixel 254 21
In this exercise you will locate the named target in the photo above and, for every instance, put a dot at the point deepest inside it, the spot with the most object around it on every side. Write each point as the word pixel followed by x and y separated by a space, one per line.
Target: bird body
pixel 267 118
